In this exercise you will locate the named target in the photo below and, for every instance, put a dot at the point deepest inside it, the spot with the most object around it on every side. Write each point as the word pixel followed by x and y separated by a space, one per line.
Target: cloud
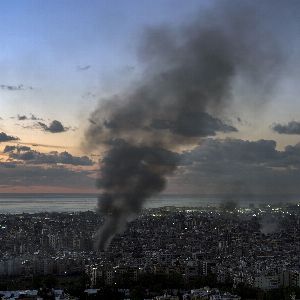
pixel 32 117
pixel 292 127
pixel 83 68
pixel 6 138
pixel 54 127
pixel 236 150
pixel 22 117
pixel 7 165
pixel 30 156
pixel 89 95
pixel 19 87
pixel 55 176
pixel 13 148
pixel 239 166
pixel 45 145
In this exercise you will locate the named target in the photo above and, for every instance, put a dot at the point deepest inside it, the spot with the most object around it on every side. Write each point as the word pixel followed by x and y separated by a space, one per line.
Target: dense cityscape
pixel 165 253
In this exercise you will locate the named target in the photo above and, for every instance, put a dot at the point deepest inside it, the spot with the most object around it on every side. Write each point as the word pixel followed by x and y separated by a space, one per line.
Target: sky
pixel 59 59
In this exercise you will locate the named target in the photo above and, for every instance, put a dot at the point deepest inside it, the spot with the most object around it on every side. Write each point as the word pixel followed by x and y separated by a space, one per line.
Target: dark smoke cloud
pixel 194 124
pixel 229 205
pixel 269 224
pixel 292 127
pixel 130 174
pixel 188 80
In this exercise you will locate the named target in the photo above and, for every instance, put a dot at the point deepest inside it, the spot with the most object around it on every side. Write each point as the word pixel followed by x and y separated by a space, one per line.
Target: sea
pixel 16 204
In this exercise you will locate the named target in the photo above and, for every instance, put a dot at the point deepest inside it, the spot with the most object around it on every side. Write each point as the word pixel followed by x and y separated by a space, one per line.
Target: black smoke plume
pixel 130 174
pixel 188 80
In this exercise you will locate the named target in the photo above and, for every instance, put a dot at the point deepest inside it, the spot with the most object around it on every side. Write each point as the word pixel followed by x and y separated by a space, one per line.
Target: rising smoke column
pixel 188 78
pixel 130 174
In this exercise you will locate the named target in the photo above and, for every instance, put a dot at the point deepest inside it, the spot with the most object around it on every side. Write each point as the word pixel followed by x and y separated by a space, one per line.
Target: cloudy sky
pixel 59 59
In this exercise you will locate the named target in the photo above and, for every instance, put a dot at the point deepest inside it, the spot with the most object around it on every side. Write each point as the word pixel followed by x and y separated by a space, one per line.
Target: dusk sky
pixel 59 59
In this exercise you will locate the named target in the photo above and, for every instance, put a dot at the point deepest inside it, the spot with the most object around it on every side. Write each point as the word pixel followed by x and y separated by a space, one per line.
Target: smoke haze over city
pixel 189 76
